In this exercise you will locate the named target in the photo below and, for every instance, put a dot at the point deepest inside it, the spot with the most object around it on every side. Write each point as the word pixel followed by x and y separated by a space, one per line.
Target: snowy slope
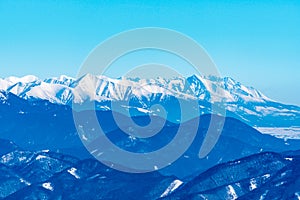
pixel 90 87
pixel 242 102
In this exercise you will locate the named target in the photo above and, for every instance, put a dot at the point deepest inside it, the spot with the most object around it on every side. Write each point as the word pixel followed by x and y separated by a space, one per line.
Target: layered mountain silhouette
pixel 50 119
pixel 43 125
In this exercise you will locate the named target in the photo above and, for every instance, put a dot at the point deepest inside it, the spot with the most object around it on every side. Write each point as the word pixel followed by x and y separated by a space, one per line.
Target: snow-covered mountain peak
pixel 24 79
pixel 63 80
pixel 4 84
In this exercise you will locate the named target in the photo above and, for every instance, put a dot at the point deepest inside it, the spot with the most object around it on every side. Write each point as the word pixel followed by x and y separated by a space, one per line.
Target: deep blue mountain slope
pixel 48 175
pixel 261 176
pixel 43 125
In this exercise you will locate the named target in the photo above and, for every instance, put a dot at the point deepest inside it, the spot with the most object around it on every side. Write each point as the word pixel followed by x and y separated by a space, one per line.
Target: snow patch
pixel 297 194
pixel 22 158
pixel 266 176
pixel 262 197
pixel 24 181
pixel 48 186
pixel 143 110
pixel 281 183
pixel 289 159
pixel 252 184
pixel 72 171
pixel 172 187
pixel 84 137
pixel 231 192
pixel 39 157
pixel 6 158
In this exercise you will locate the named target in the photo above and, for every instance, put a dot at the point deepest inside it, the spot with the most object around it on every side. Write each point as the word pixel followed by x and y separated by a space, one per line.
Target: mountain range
pixel 139 95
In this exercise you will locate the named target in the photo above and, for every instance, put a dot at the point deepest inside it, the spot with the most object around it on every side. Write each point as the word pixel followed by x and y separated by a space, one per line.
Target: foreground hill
pixel 48 175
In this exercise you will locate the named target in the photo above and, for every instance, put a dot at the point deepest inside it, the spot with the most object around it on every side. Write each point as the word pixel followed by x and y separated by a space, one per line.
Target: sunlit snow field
pixel 281 132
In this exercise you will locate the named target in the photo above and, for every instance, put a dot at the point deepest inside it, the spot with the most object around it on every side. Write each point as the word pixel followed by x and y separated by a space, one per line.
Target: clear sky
pixel 255 42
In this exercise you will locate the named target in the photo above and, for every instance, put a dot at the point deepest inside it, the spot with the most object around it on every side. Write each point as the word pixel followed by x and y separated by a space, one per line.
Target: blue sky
pixel 255 42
